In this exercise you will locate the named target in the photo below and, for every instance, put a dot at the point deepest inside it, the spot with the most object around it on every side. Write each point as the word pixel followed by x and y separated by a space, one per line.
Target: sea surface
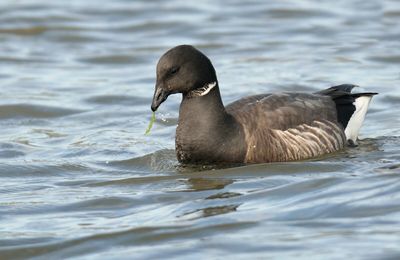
pixel 79 179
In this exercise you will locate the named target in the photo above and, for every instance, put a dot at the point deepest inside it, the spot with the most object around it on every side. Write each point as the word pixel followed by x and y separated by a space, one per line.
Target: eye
pixel 173 70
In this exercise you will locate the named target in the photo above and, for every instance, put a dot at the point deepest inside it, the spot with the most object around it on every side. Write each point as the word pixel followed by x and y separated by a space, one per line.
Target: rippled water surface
pixel 80 179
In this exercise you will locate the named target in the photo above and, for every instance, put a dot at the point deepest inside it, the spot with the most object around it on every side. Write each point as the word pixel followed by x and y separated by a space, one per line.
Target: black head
pixel 181 70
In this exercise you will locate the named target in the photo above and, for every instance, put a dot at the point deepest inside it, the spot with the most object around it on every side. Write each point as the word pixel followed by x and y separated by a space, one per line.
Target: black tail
pixel 344 100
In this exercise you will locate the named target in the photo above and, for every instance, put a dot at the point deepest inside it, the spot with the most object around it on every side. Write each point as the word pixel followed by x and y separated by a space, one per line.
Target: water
pixel 80 179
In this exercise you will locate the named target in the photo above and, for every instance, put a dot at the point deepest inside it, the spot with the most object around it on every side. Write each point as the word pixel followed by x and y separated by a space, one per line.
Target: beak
pixel 160 95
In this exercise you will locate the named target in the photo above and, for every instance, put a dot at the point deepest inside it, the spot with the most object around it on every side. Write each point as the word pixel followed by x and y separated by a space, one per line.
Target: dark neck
pixel 205 130
pixel 208 107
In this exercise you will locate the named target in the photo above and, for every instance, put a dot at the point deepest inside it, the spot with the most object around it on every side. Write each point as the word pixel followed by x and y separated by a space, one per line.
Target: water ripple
pixel 34 111
pixel 80 178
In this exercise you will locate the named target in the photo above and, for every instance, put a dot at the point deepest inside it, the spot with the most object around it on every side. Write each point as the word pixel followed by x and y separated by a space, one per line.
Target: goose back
pixel 288 126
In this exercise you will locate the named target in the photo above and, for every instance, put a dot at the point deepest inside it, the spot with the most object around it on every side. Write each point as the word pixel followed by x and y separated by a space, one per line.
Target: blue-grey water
pixel 79 179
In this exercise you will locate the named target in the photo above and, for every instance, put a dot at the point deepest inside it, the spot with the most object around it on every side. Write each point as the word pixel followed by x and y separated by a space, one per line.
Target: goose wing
pixel 284 110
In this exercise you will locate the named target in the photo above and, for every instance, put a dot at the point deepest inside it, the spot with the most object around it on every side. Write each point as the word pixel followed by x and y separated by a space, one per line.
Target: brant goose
pixel 255 129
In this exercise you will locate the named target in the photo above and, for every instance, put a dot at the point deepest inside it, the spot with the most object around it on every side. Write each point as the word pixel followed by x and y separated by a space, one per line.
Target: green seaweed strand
pixel 153 118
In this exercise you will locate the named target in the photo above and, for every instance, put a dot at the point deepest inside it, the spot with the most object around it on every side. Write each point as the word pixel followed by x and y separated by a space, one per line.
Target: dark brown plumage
pixel 261 128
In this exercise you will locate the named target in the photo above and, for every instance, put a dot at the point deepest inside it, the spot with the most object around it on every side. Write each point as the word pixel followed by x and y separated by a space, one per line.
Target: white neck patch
pixel 203 91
